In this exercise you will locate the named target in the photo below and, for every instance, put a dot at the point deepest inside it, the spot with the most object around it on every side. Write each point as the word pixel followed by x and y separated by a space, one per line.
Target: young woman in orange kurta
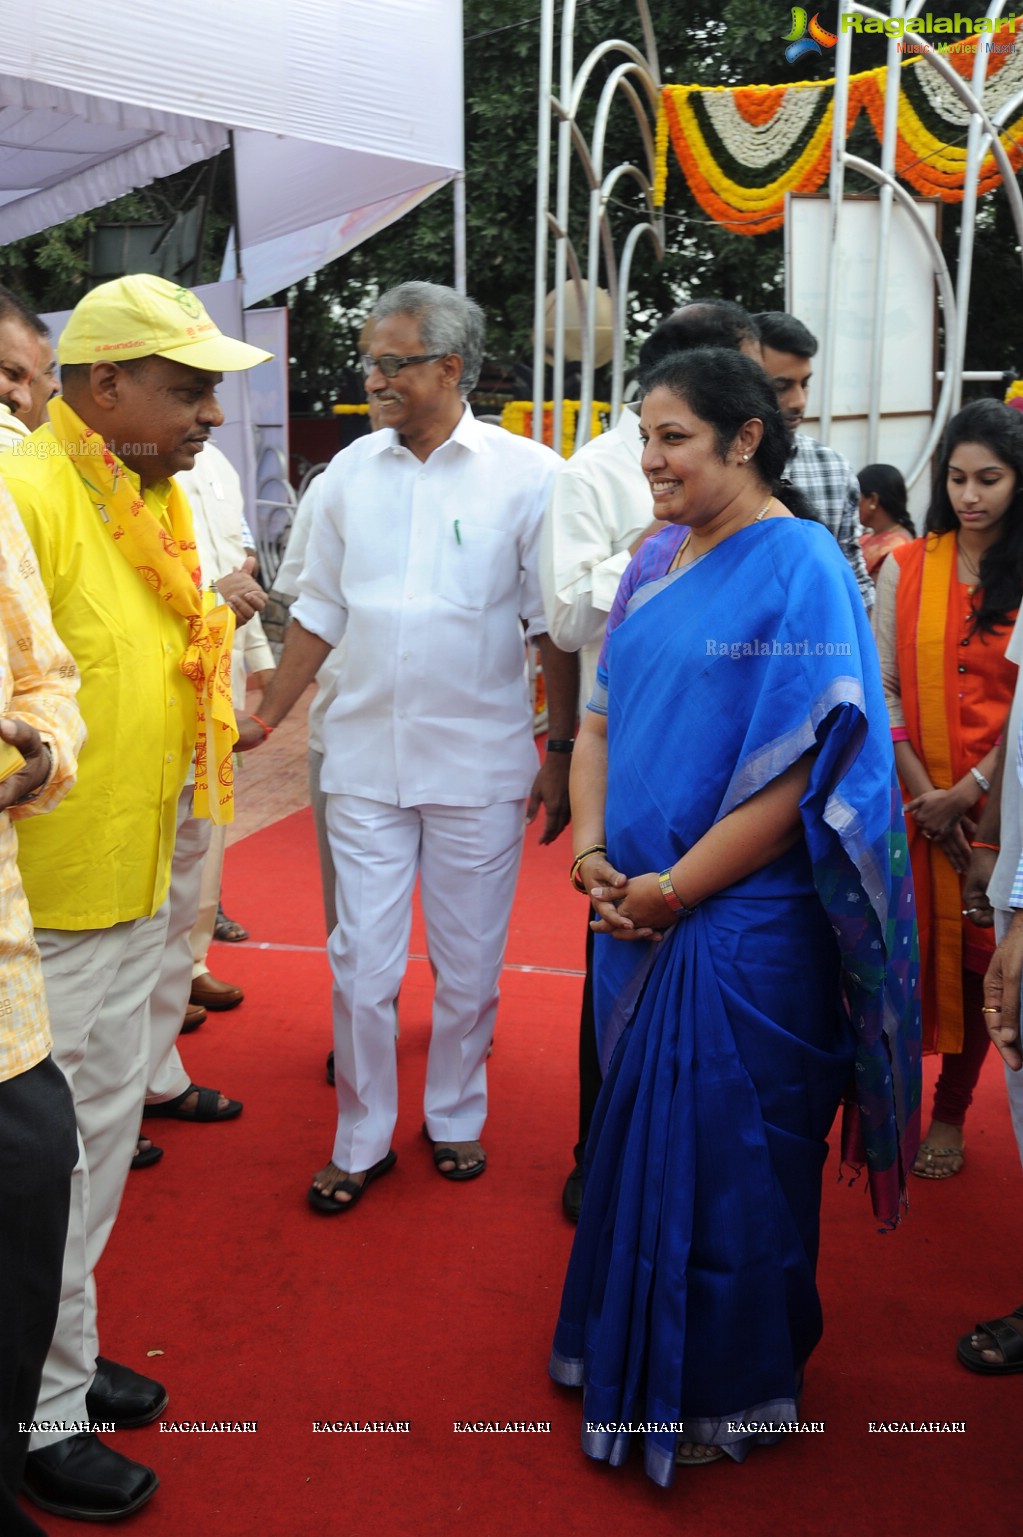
pixel 945 608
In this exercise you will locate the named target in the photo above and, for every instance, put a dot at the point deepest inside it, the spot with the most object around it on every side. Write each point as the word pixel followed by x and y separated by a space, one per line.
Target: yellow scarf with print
pixel 169 564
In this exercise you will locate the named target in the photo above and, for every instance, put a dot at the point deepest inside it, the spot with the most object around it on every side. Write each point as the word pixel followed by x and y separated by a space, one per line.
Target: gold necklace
pixel 677 559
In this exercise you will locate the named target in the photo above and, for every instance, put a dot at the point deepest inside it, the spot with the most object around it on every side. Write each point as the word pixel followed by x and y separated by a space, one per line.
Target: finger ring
pixel 986 1010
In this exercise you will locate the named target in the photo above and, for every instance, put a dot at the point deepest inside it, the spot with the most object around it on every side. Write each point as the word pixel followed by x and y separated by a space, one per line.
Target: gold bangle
pixel 573 874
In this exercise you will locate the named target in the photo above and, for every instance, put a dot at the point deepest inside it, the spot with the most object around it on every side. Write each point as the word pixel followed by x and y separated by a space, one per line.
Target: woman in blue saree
pixel 739 832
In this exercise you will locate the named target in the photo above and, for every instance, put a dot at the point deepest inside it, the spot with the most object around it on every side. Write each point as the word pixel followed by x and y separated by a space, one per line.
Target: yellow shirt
pixel 105 856
pixel 38 683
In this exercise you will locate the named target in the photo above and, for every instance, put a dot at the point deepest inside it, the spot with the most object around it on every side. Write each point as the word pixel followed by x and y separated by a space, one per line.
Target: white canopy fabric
pixel 346 113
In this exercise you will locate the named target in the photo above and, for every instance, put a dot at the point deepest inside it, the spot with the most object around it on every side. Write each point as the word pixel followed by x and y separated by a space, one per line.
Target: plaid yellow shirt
pixel 38 684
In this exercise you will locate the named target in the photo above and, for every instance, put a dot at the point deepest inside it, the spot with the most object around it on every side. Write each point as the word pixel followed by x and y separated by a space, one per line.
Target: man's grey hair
pixel 448 322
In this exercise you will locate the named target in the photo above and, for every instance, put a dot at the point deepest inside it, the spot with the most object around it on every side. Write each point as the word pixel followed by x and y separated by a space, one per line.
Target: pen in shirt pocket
pixel 458 532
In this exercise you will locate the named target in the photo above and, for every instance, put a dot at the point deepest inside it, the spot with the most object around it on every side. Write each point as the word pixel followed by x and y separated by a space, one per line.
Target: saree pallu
pixel 956 689
pixel 691 1294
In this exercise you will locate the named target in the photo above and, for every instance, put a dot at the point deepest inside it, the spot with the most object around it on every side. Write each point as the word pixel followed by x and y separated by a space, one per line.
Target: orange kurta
pixel 956 689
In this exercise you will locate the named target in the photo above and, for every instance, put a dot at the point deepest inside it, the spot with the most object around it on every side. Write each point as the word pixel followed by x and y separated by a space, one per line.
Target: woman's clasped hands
pixel 941 817
pixel 625 908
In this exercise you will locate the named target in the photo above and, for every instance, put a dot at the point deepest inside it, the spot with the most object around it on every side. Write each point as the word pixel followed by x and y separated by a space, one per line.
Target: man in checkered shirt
pixel 824 476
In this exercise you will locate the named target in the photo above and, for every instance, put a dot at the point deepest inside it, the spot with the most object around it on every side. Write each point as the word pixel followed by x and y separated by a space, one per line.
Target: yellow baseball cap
pixel 143 315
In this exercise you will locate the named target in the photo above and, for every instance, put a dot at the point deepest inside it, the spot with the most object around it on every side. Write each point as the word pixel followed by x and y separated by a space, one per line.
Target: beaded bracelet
pixel 671 896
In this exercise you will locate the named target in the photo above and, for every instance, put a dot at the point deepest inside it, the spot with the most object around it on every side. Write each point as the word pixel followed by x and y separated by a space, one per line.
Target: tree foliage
pixel 709 42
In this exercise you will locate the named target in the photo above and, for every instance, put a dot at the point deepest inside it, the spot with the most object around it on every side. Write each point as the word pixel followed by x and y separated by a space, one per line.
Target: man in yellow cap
pixel 140 362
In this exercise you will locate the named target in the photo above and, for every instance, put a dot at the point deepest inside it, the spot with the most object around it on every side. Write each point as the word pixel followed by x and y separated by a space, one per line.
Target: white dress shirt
pixel 599 502
pixel 1006 884
pixel 286 583
pixel 217 501
pixel 427 572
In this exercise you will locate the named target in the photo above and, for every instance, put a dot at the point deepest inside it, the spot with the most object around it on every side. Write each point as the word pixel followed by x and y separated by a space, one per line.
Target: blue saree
pixel 691 1294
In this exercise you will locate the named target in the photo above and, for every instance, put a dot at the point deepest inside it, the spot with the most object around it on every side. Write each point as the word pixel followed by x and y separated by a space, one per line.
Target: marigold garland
pixel 742 148
pixel 517 417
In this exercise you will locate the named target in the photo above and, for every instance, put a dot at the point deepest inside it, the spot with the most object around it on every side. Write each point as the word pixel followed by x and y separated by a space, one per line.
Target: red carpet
pixel 436 1302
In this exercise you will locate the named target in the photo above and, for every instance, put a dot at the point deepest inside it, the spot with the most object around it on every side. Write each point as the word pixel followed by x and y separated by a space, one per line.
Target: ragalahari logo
pixel 797 39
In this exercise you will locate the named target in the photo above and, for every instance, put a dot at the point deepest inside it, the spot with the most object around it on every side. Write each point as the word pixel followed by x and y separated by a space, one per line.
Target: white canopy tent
pixel 345 114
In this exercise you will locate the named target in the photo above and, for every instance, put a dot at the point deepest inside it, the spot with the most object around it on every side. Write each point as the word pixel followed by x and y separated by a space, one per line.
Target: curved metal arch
pixel 983 138
pixel 942 410
pixel 610 45
pixel 599 223
pixel 632 240
pixel 634 77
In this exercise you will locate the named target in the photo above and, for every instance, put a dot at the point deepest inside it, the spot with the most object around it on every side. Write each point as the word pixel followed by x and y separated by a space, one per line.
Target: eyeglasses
pixel 391 366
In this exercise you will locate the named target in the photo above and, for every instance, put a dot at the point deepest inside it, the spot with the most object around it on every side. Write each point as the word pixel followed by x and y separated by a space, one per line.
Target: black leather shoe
pixel 85 1480
pixel 123 1397
pixel 572 1195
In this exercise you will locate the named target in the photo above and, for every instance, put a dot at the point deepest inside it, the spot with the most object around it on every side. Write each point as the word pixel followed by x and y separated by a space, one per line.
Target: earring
pixel 744 458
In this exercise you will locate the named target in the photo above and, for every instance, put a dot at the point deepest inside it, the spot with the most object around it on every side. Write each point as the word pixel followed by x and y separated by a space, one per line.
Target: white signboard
pixel 908 333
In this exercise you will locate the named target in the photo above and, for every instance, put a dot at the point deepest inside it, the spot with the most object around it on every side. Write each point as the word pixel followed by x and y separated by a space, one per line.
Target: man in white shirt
pixel 215 496
pixel 422 565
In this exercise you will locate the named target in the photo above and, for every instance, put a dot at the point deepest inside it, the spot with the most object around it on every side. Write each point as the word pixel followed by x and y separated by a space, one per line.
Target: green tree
pixel 727 42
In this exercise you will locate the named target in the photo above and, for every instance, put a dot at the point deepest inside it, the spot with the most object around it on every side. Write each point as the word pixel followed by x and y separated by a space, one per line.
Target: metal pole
pixel 836 187
pixel 967 222
pixel 888 144
pixel 460 233
pixel 543 190
pixel 235 217
pixel 562 213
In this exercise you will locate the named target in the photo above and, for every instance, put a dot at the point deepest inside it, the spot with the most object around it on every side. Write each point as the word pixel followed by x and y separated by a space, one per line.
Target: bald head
pixel 708 323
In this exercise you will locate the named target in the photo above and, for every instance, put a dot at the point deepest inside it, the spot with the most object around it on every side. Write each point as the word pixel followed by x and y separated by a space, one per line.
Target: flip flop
pixel 442 1154
pixel 227 930
pixel 327 1205
pixel 207 1107
pixel 1002 1336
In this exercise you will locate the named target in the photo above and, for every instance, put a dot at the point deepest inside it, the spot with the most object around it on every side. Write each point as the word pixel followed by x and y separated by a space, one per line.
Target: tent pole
pixel 460 233
pixel 235 219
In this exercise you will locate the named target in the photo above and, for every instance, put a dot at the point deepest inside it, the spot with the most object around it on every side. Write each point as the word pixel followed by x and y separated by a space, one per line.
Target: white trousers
pixel 1013 1081
pixel 318 801
pixel 209 899
pixel 467 859
pixel 98 984
pixel 167 1076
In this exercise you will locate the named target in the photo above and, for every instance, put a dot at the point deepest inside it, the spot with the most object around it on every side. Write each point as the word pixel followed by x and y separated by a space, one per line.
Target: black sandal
pixel 207 1107
pixel 1004 1338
